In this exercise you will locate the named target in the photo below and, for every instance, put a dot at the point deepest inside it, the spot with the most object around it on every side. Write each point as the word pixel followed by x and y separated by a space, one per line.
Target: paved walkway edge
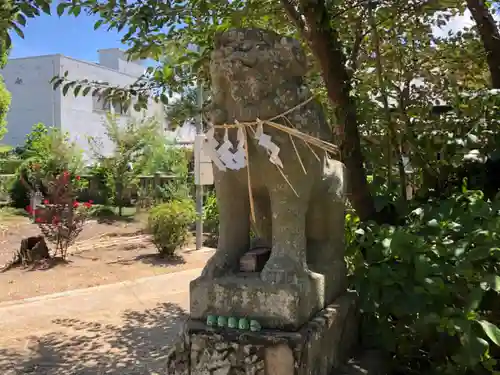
pixel 84 291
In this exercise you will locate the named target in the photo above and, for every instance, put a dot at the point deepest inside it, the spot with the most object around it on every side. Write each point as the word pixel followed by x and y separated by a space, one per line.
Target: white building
pixel 34 100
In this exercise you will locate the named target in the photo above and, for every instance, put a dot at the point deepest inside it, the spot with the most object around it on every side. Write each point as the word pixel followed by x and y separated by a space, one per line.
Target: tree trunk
pixel 325 45
pixel 490 37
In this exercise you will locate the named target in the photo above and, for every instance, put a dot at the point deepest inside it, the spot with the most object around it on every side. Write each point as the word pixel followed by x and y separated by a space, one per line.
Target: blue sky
pixel 75 36
pixel 68 35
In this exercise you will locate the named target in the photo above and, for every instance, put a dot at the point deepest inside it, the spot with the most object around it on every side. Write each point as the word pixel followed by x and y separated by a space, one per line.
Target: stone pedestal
pixel 286 307
pixel 320 345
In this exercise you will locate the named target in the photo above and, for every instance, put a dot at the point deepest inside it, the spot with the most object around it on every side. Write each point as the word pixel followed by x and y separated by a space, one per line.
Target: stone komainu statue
pixel 260 74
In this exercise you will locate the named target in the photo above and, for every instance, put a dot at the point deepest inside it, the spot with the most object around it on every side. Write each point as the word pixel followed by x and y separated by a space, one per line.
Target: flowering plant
pixel 61 218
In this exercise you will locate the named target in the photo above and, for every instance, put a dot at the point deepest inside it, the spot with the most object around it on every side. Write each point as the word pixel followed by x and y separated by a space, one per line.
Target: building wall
pixel 81 116
pixel 116 59
pixel 33 99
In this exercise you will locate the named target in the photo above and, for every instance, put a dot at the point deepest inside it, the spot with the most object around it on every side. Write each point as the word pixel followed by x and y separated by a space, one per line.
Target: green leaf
pixel 57 82
pixel 98 24
pixel 137 106
pixel 494 281
pixel 167 72
pixel 18 31
pixel 491 330
pixel 474 299
pixel 76 11
pixel 44 5
pixel 86 90
pixel 76 90
pixel 21 19
pixel 61 8
pixel 8 41
pixel 66 88
pixel 164 99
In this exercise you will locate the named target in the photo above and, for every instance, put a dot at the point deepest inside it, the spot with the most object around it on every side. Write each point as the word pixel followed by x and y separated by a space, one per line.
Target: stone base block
pixel 319 347
pixel 285 307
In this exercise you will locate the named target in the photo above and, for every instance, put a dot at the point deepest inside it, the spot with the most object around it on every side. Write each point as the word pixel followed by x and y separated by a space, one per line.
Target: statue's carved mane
pixel 259 51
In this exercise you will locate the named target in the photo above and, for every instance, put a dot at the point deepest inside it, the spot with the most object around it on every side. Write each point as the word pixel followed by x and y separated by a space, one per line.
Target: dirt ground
pixel 103 254
pixel 116 330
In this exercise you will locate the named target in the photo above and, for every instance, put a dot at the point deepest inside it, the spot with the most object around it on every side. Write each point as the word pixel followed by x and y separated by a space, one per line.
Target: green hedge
pixel 9 166
pixel 6 182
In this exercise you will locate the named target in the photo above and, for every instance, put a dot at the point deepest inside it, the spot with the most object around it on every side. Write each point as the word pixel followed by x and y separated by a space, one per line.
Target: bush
pixel 6 183
pixel 9 166
pixel 429 289
pixel 61 218
pixel 19 193
pixel 211 213
pixel 169 223
pixel 47 153
pixel 211 218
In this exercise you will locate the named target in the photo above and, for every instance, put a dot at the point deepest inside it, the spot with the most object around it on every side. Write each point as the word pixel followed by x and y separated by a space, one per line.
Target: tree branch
pixel 293 14
pixel 357 45
pixel 490 37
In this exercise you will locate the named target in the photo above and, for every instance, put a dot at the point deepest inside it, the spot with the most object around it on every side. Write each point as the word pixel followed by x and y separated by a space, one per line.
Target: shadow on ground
pixel 153 260
pixel 136 347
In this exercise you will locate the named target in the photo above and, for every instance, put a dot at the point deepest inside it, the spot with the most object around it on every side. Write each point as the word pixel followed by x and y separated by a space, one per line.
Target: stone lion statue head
pixel 250 64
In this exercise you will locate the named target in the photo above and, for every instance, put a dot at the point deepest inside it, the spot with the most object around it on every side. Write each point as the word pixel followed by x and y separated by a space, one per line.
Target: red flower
pixel 78 178
pixel 46 201
pixel 29 209
pixel 91 201
pixel 75 204
pixel 87 205
pixel 38 220
pixel 55 220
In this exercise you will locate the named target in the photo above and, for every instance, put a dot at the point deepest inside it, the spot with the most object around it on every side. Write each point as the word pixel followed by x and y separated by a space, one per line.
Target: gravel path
pixel 114 329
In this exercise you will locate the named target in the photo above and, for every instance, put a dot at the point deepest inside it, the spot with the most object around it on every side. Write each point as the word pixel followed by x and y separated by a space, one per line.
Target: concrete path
pixel 123 328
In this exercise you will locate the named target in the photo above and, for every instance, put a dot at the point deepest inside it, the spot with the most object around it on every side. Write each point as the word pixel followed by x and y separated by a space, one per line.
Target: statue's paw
pixel 282 270
pixel 216 266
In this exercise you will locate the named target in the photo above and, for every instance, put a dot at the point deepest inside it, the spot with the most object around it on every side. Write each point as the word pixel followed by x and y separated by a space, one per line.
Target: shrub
pixel 9 166
pixel 168 223
pixel 429 289
pixel 47 153
pixel 19 193
pixel 61 218
pixel 6 183
pixel 211 219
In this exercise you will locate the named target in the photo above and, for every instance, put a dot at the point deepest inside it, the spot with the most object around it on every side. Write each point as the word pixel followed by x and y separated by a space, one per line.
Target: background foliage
pixel 415 114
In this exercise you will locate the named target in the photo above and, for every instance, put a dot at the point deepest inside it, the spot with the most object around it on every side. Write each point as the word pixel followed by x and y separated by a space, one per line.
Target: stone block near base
pixel 284 306
pixel 319 347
